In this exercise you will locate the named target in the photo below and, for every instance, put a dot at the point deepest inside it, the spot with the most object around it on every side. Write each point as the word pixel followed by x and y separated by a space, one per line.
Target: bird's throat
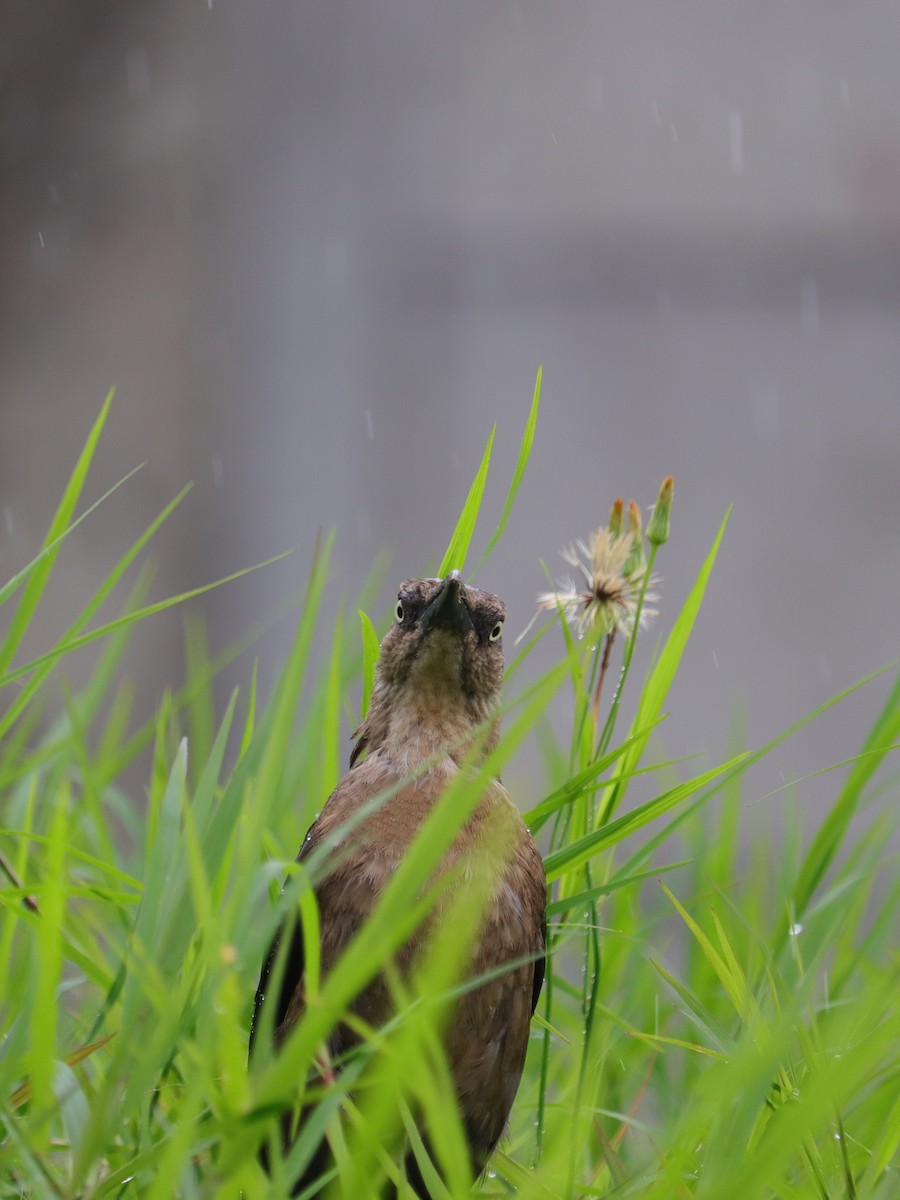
pixel 430 722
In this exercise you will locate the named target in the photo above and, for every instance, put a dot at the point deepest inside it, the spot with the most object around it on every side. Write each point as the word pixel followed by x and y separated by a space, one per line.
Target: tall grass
pixel 719 1019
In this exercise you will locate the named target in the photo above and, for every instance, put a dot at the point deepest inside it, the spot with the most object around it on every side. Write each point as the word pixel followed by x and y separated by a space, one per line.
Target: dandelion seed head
pixel 606 596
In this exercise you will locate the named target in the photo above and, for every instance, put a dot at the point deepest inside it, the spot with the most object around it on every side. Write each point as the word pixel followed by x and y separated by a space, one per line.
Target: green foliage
pixel 728 1033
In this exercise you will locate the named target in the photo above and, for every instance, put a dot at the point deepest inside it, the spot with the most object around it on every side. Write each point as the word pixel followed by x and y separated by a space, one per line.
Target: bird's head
pixel 442 659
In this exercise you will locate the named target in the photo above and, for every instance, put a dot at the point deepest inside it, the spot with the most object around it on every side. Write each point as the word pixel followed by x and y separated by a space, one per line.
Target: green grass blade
pixel 725 967
pixel 521 464
pixel 161 859
pixel 49 962
pixel 698 1011
pixel 831 833
pixel 31 687
pixel 567 903
pixel 576 853
pixel 455 557
pixel 12 584
pixel 149 610
pixel 37 580
pixel 643 854
pixel 575 786
pixel 371 650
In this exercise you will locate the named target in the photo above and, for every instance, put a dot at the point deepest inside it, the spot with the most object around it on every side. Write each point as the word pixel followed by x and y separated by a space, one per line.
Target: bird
pixel 435 698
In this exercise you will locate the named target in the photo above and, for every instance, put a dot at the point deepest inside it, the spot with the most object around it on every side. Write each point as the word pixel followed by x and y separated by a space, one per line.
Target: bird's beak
pixel 448 610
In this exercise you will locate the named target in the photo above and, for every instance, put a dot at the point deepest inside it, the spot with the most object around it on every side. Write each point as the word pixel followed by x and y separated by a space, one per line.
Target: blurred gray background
pixel 320 248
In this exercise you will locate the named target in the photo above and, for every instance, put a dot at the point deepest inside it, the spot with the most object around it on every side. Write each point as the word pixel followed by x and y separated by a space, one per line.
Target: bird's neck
pixel 415 726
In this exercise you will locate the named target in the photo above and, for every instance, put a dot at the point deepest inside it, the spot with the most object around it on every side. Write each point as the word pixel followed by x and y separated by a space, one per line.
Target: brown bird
pixel 437 681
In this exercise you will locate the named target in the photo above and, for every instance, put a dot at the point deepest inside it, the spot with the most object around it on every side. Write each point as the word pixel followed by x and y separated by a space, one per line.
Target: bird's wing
pixel 345 896
pixel 540 965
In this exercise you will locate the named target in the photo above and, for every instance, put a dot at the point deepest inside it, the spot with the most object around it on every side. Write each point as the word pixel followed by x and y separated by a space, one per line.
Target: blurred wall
pixel 320 248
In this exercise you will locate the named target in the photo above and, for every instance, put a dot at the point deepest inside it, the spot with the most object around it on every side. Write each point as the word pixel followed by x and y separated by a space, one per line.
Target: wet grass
pixel 720 1017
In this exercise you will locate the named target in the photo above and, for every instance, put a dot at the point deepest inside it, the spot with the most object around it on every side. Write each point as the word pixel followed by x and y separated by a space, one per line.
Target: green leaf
pixel 699 1011
pixel 371 650
pixel 582 849
pixel 40 573
pixel 12 584
pixel 566 903
pixel 726 968
pixel 48 961
pixel 250 719
pixel 455 557
pixel 161 861
pixel 833 829
pixel 574 787
pixel 521 464
pixel 85 639
pixel 23 698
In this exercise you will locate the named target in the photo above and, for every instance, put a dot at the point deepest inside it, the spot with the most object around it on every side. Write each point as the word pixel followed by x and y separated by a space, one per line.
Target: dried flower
pixel 608 597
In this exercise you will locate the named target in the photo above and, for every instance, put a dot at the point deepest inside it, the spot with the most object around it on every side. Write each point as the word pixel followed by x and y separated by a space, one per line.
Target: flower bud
pixel 636 557
pixel 658 527
pixel 615 517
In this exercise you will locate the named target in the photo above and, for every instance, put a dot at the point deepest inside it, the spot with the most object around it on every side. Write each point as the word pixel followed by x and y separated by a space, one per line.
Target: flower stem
pixel 604 666
pixel 609 726
pixel 7 868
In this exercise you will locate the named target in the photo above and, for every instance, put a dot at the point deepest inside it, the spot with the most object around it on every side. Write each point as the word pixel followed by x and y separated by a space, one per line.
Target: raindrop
pixel 845 91
pixel 41 239
pixel 8 518
pixel 370 425
pixel 796 929
pixel 218 470
pixel 715 659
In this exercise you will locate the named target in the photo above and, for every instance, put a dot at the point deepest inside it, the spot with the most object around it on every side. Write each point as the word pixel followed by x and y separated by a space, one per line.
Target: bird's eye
pixel 399 610
pixel 496 631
